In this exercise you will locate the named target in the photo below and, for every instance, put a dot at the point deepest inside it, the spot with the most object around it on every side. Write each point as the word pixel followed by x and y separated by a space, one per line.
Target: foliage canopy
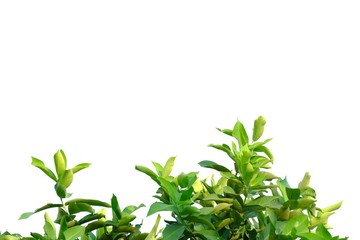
pixel 245 202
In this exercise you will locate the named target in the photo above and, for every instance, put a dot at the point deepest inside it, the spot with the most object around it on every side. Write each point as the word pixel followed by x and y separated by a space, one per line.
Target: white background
pixel 120 83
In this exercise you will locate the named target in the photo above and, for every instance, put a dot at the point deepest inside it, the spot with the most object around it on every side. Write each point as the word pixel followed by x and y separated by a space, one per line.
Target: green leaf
pixel 258 129
pixel 298 224
pixel 40 164
pixel 49 228
pixel 60 190
pixel 125 220
pixel 159 206
pixel 187 180
pixel 74 232
pixel 293 193
pixel 264 150
pixel 332 207
pixel 304 184
pixel 225 148
pixel 66 178
pixel 323 232
pixel 240 134
pixel 168 167
pixel 80 166
pixel 152 234
pixel 115 207
pixel 90 202
pixel 130 209
pixel 28 214
pixel 90 217
pixel 60 162
pixel 63 225
pixel 148 172
pixel 266 201
pixel 76 207
pixel 208 234
pixel 226 131
pixel 311 236
pixel 173 231
pixel 9 237
pixel 213 165
pixel 170 189
pixel 158 168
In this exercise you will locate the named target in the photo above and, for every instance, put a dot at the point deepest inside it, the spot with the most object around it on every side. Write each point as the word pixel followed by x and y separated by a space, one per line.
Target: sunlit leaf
pixel 49 228
pixel 80 166
pixel 74 232
pixel 258 129
pixel 60 162
pixel 240 134
pixel 40 164
pixel 168 167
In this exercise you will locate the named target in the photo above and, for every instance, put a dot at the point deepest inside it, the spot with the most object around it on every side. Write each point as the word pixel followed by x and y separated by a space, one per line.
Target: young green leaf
pixel 40 164
pixel 168 167
pixel 152 234
pixel 60 162
pixel 66 178
pixel 240 134
pixel 258 129
pixel 74 232
pixel 49 228
pixel 80 166
pixel 130 209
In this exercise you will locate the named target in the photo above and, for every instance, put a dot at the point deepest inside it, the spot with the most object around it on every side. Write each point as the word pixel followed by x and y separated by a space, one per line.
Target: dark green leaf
pixel 90 202
pixel 76 207
pixel 173 231
pixel 293 193
pixel 115 207
pixel 213 165
pixel 208 234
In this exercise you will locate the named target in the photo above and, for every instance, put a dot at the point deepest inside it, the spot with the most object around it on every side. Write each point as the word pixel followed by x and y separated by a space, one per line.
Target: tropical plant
pixel 244 201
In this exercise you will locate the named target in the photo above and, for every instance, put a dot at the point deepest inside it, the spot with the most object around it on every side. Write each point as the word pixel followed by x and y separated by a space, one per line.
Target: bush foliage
pixel 245 202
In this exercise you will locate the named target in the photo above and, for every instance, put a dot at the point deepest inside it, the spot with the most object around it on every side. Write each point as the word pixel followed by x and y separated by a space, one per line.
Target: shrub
pixel 245 202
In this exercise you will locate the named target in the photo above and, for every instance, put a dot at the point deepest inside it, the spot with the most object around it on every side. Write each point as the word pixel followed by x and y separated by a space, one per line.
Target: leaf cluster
pixel 245 201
